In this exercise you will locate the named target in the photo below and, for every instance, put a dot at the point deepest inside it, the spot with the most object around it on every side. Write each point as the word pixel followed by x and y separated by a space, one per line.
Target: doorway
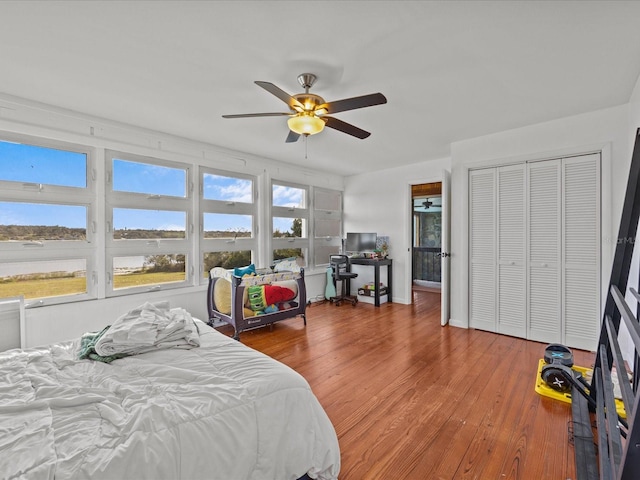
pixel 437 197
pixel 426 208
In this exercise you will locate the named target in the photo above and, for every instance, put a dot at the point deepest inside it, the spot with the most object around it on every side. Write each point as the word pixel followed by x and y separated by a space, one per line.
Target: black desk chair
pixel 341 273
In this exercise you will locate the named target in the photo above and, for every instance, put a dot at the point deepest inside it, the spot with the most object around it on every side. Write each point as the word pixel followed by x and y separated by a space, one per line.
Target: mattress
pixel 218 411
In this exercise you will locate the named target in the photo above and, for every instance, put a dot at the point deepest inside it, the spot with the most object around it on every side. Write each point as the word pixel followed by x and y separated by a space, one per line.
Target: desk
pixel 376 263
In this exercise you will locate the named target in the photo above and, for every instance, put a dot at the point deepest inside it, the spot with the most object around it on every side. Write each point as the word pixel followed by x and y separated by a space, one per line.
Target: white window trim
pixel 283 243
pixel 148 247
pixel 46 250
pixel 212 245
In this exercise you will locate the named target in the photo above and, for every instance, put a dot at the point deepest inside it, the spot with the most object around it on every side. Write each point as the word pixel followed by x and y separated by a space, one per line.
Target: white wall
pixel 381 202
pixel 604 130
pixel 61 322
pixel 626 344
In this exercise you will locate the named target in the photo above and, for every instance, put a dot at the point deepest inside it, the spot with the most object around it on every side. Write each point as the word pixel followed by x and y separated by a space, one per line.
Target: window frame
pixel 42 193
pixel 227 207
pixel 285 243
pixel 147 201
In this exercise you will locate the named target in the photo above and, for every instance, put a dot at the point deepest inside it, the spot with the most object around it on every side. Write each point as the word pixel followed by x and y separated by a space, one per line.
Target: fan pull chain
pixel 305 146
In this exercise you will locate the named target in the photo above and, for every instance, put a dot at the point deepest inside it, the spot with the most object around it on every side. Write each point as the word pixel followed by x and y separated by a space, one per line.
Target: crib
pixel 227 298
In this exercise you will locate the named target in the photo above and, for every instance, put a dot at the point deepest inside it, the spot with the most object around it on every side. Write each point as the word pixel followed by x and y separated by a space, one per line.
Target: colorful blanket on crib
pixel 267 297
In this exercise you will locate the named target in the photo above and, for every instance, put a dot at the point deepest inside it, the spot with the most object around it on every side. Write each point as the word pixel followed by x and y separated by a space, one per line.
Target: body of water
pixel 71 265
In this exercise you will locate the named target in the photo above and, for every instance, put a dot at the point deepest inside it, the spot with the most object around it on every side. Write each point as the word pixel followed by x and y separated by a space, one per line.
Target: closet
pixel 534 242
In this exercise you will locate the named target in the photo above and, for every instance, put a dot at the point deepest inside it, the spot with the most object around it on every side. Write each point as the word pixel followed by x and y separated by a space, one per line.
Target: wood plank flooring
pixel 410 399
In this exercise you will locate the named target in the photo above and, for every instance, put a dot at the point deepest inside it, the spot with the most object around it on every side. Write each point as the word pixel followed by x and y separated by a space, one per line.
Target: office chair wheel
pixel 354 302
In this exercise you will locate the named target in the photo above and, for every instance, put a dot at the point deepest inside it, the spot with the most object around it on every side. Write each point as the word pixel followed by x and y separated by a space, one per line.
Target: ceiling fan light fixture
pixel 307 111
pixel 306 124
pixel 321 110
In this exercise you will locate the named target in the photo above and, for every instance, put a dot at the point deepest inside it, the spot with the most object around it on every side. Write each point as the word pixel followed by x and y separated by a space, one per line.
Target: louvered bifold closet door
pixel 482 217
pixel 581 250
pixel 545 247
pixel 511 196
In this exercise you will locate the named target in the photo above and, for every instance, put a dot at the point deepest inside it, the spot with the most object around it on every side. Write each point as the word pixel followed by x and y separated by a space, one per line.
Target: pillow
pixel 242 271
pixel 222 296
pixel 287 265
pixel 220 273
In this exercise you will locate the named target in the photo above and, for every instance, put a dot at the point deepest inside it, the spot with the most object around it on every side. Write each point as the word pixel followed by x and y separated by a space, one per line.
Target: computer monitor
pixel 360 242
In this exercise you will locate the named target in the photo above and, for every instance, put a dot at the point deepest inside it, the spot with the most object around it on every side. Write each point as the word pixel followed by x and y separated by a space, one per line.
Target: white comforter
pixel 220 411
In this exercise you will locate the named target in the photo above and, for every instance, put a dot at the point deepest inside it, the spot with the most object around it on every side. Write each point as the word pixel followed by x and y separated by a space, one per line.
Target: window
pixel 47 208
pixel 129 223
pixel 148 224
pixel 227 225
pixel 228 228
pixel 44 279
pixel 34 222
pixel 149 178
pixel 39 165
pixel 227 188
pixel 287 227
pixel 289 196
pixel 327 222
pixel 73 230
pixel 144 270
pixel 289 220
pixel 226 259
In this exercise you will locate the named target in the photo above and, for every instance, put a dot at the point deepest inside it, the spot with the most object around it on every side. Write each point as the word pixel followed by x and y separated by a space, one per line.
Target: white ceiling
pixel 450 70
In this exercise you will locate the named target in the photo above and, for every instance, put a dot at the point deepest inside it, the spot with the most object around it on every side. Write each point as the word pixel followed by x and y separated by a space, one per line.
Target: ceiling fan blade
pixel 345 127
pixel 292 137
pixel 354 102
pixel 281 94
pixel 246 115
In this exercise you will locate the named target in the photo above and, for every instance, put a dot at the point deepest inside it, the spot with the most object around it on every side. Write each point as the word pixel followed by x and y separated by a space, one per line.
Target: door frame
pixel 445 271
pixel 438 178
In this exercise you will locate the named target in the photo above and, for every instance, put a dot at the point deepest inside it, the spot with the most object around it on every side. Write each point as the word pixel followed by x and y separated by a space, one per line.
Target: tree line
pixel 154 263
pixel 26 233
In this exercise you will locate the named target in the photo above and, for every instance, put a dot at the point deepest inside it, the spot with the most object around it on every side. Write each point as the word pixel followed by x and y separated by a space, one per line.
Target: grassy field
pixel 71 286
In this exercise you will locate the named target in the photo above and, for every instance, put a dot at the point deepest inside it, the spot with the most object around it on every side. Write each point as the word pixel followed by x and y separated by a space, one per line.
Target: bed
pixel 230 292
pixel 219 410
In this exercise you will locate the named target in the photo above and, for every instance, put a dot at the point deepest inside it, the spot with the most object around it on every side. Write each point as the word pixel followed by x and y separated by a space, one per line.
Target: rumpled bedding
pixel 222 411
pixel 147 328
pixel 88 347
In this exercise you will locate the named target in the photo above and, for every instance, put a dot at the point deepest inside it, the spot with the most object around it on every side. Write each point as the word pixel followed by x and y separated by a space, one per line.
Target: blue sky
pixel 38 165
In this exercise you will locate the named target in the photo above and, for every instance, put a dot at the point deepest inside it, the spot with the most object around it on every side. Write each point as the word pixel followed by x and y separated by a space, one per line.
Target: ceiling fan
pixel 308 112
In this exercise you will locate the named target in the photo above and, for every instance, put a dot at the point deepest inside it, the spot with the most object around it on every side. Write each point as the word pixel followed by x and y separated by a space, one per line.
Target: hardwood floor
pixel 410 399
